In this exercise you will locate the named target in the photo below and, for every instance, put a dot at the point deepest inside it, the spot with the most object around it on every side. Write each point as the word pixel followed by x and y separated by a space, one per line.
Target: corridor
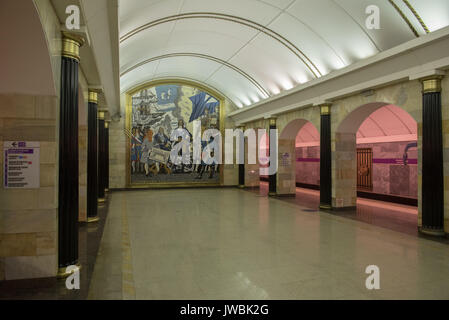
pixel 181 244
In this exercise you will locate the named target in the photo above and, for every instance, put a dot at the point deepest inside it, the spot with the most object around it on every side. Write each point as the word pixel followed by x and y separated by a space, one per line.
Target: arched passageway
pixel 298 161
pixel 376 158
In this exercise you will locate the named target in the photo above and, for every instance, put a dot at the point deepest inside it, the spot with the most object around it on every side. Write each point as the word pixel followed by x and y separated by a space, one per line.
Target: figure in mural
pixel 161 140
pixel 151 167
pixel 136 149
pixel 164 110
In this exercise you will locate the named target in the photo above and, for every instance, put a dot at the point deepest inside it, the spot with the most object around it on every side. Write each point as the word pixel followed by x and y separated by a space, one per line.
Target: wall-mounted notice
pixel 21 164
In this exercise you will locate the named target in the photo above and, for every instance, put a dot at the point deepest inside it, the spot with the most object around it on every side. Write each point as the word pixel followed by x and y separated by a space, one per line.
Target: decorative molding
pixel 404 17
pixel 71 44
pixel 417 16
pixel 93 97
pixel 226 17
pixel 325 109
pixel 431 84
pixel 202 56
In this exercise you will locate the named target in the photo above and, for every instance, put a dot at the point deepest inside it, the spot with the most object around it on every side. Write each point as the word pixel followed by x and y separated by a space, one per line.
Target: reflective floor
pixel 233 244
pixel 392 216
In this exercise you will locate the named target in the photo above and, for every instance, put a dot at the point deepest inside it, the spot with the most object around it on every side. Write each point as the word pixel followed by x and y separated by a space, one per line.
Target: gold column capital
pixel 71 44
pixel 325 109
pixel 101 114
pixel 271 121
pixel 431 84
pixel 106 123
pixel 93 96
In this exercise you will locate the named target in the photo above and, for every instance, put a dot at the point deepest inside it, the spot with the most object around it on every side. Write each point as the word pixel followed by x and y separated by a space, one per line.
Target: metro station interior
pixel 224 150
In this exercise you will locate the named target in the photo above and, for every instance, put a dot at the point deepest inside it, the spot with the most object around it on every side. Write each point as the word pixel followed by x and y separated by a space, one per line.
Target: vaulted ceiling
pixel 250 50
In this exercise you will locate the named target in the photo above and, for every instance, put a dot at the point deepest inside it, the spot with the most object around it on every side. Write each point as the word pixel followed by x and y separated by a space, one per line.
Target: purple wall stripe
pixel 379 161
pixel 395 161
pixel 307 159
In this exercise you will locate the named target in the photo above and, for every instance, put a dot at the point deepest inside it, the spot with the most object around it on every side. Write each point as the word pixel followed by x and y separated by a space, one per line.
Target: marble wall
pixel 28 217
pixel 308 169
pixel 394 178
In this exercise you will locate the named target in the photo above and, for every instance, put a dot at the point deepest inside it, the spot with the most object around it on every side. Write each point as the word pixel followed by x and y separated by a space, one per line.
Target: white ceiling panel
pixel 328 34
pixel 336 27
pixel 272 65
pixel 135 13
pixel 393 30
pixel 236 86
pixel 309 42
pixel 256 11
pixel 434 13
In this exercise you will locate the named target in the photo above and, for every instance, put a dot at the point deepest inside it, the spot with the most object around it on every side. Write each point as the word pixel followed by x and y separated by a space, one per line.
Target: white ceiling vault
pixel 250 50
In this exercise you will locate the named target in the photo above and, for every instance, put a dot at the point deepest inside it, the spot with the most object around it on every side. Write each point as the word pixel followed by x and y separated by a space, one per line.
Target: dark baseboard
pixel 308 186
pixel 388 198
pixel 342 209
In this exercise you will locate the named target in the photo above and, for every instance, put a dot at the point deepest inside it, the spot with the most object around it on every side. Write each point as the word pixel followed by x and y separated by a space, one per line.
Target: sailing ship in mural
pixel 157 112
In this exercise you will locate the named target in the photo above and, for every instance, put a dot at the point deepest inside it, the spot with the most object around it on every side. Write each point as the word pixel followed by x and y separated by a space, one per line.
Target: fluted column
pixel 92 158
pixel 325 158
pixel 68 192
pixel 242 165
pixel 106 128
pixel 272 178
pixel 101 157
pixel 432 159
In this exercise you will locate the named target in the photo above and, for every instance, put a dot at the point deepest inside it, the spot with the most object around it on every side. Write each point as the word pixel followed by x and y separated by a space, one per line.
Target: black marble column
pixel 272 178
pixel 92 159
pixel 325 159
pixel 101 157
pixel 432 159
pixel 68 194
pixel 107 122
pixel 242 165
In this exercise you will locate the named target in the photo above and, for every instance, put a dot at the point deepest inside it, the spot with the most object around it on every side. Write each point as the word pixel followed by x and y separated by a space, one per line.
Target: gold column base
pixel 433 232
pixel 92 219
pixel 241 186
pixel 101 200
pixel 271 194
pixel 325 206
pixel 106 190
pixel 62 273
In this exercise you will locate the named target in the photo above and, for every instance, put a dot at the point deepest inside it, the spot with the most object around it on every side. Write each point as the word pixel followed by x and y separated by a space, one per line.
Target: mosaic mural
pixel 157 114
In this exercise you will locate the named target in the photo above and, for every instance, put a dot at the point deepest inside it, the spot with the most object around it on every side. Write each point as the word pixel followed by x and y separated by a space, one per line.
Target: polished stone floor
pixel 393 216
pixel 233 244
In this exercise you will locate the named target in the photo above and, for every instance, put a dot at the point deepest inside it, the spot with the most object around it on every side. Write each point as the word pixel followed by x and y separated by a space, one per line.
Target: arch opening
pixel 298 172
pixel 376 159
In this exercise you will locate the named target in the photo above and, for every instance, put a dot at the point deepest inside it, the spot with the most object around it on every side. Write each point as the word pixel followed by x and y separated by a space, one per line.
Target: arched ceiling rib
pixel 250 49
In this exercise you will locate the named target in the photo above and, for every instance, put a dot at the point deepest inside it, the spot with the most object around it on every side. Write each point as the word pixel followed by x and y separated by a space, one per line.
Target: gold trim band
pixel 325 109
pixel 62 272
pixel 71 46
pixel 417 16
pixel 93 97
pixel 93 219
pixel 431 85
pixel 404 17
pixel 101 115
